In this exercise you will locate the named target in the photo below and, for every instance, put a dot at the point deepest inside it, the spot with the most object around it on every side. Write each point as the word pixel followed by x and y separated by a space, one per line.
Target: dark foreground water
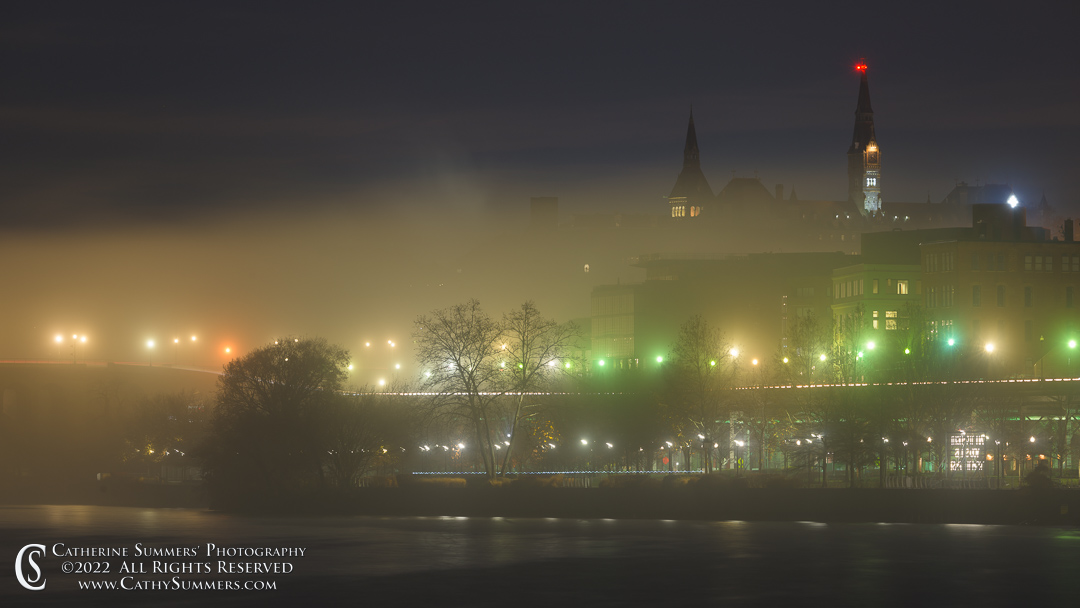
pixel 370 561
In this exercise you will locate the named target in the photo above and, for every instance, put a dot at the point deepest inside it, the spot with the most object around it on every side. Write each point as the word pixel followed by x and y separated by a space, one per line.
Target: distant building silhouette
pixel 691 193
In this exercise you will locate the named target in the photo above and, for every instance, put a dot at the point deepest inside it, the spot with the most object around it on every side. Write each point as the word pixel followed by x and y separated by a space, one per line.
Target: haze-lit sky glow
pixel 246 171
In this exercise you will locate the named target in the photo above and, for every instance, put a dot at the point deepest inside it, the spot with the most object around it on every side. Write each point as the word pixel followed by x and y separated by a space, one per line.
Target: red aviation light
pixel 860 67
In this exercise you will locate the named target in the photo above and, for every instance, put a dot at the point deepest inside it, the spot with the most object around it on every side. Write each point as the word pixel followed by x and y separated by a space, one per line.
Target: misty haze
pixel 582 304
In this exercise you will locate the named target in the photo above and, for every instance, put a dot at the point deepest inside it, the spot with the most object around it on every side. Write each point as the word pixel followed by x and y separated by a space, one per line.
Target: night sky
pixel 192 126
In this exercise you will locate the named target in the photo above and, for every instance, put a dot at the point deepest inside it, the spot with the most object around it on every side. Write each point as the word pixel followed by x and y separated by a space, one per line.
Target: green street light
pixel 822 357
pixel 870 345
pixel 1072 343
pixel 952 342
pixel 907 351
pixel 601 363
pixel 659 359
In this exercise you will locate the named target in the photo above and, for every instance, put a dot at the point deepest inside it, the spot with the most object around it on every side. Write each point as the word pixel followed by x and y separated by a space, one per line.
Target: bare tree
pixel 538 351
pixel 699 369
pixel 483 372
pixel 460 351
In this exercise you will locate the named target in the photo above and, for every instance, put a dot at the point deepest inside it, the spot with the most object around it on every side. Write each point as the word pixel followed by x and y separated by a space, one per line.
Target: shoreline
pixel 1003 507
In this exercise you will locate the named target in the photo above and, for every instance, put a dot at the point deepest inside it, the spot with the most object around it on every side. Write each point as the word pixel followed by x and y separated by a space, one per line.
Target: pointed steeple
pixel 691 154
pixel 691 184
pixel 864 115
pixel 864 154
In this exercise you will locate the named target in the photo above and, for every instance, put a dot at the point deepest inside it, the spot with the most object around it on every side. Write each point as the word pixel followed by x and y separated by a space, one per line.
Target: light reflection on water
pixel 607 562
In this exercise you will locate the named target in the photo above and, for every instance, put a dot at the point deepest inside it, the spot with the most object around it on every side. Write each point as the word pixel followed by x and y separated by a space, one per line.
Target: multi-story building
pixel 874 301
pixel 1007 289
pixel 752 299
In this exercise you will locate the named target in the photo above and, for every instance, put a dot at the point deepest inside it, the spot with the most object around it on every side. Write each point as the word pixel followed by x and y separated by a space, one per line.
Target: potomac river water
pixel 162 557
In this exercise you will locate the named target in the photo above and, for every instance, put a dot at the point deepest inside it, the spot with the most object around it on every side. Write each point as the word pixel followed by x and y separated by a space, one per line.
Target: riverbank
pixel 1058 507
pixel 108 493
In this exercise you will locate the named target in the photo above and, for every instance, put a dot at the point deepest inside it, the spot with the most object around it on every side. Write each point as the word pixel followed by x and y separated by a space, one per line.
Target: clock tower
pixel 864 156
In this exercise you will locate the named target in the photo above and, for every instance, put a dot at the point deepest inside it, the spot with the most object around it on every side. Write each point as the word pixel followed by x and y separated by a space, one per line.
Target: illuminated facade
pixel 752 298
pixel 875 302
pixel 864 155
pixel 1008 285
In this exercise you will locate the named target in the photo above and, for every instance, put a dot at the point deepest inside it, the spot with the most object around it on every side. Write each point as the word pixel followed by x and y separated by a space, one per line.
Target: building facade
pixel 876 303
pixel 1007 290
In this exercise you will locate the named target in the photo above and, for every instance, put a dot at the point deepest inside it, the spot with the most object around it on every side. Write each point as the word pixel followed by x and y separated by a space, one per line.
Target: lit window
pixel 902 287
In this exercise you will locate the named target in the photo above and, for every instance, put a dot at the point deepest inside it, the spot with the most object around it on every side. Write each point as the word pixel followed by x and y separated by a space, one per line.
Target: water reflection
pixel 445 560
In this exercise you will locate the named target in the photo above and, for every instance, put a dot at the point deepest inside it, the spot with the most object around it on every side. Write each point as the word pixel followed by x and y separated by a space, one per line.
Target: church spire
pixel 864 156
pixel 864 114
pixel 691 192
pixel 691 154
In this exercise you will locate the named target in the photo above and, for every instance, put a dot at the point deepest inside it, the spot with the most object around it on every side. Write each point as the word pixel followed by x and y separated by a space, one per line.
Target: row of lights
pixel 871 345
